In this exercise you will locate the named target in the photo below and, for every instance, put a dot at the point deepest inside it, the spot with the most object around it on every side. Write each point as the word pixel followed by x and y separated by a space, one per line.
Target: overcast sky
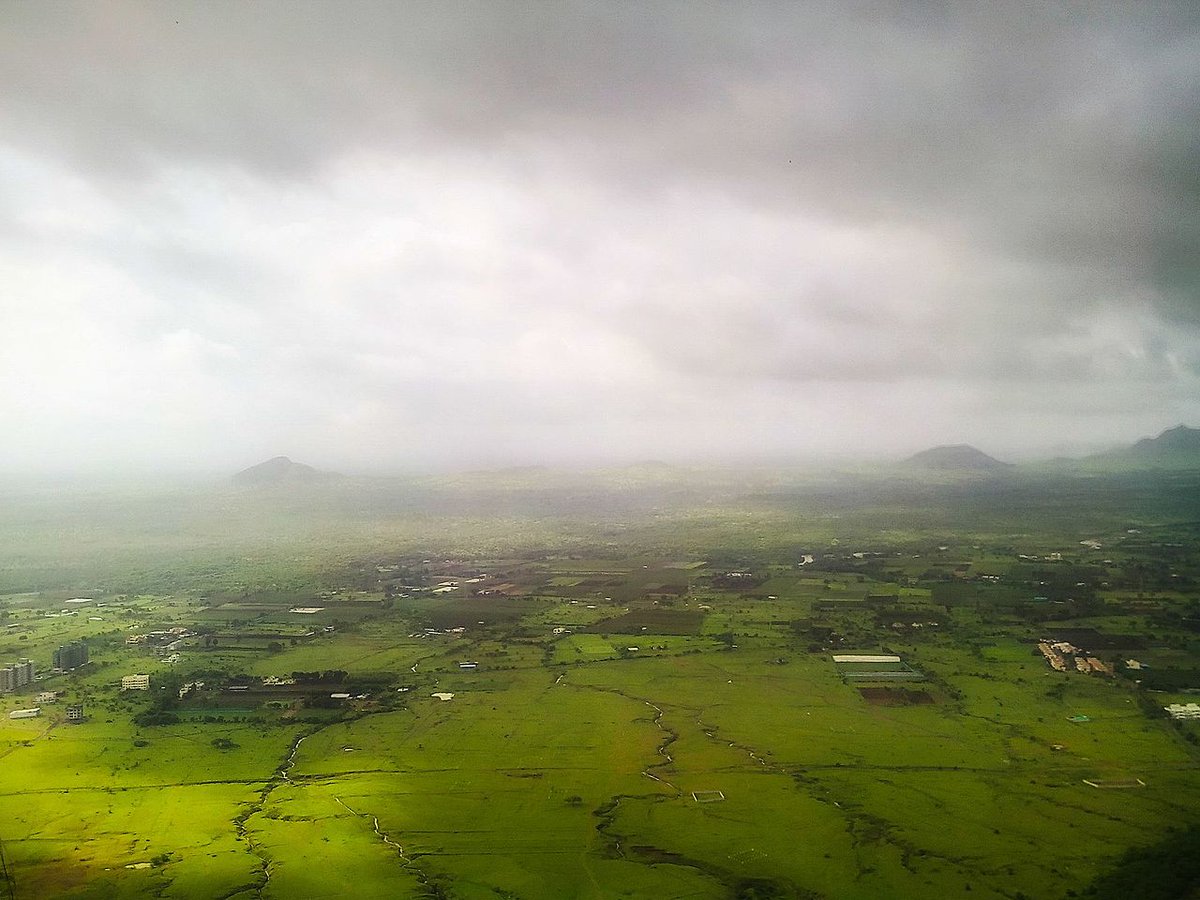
pixel 377 237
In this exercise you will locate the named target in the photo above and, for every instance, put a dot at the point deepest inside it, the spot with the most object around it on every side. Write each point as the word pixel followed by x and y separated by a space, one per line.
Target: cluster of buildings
pixel 16 676
pixel 74 713
pixel 1057 654
pixel 171 638
pixel 21 673
pixel 71 656
pixel 199 685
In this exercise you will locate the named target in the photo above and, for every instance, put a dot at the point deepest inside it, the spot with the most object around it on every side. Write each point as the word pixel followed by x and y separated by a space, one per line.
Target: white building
pixel 1183 710
pixel 135 683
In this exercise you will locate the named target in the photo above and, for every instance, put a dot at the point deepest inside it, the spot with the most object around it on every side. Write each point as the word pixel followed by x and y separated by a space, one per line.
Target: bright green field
pixel 536 782
pixel 567 765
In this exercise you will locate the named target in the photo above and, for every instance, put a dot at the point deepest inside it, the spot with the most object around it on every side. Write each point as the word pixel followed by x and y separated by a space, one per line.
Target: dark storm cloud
pixel 580 224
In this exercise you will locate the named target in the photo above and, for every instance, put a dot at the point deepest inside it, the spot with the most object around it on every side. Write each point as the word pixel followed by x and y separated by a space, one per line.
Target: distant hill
pixel 957 457
pixel 279 470
pixel 1175 448
pixel 1180 441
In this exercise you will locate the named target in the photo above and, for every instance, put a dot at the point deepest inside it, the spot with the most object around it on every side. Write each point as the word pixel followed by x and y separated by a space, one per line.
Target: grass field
pixel 567 763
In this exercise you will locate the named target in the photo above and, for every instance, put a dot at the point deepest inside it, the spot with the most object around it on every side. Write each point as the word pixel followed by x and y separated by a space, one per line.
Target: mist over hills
pixel 1177 447
pixel 960 457
pixel 1177 441
pixel 1174 448
pixel 96 532
pixel 280 470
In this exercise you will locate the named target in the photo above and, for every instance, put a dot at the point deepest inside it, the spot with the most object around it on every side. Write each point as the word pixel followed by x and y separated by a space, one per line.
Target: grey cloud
pixel 575 226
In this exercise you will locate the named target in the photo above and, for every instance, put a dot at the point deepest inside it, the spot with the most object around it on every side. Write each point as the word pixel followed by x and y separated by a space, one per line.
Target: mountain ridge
pixel 1178 440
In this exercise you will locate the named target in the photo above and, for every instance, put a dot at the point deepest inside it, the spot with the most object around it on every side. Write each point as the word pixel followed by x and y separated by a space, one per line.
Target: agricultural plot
pixel 653 619
pixel 873 667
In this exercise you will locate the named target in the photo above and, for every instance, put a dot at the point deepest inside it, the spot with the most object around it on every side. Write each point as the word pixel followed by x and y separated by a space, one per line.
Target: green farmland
pixel 661 718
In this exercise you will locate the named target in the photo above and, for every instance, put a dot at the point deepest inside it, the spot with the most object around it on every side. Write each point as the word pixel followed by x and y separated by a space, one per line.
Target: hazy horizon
pixel 433 237
pixel 85 476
